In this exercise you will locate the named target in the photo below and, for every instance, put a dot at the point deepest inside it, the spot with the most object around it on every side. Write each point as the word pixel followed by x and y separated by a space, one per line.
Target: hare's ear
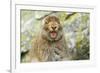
pixel 44 21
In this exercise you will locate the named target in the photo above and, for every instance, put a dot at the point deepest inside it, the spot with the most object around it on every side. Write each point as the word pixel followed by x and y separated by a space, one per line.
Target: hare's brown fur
pixel 49 46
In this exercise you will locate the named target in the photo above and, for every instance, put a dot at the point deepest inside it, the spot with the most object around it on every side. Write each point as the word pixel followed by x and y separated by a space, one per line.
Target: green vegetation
pixel 76 28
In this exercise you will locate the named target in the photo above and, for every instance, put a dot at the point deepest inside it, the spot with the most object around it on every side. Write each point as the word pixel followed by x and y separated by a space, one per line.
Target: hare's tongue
pixel 53 34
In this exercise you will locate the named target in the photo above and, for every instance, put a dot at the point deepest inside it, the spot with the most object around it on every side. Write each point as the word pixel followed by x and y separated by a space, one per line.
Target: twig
pixel 68 16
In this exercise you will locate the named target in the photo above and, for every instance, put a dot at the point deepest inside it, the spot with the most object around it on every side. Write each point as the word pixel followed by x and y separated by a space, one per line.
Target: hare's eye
pixel 60 28
pixel 45 28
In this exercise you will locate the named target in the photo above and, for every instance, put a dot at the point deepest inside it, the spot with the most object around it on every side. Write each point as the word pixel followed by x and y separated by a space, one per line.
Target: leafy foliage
pixel 76 28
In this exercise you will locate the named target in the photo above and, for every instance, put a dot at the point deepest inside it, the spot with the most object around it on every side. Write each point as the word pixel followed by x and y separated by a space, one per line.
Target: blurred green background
pixel 76 26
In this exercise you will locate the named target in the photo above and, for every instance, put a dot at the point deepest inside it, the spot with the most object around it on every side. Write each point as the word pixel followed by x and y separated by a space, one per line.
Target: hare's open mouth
pixel 53 34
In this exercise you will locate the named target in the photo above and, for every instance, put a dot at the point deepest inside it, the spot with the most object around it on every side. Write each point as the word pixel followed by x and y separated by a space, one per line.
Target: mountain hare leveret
pixel 50 45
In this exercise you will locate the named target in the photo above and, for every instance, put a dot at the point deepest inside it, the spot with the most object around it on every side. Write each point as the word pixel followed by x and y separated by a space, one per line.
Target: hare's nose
pixel 54 28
